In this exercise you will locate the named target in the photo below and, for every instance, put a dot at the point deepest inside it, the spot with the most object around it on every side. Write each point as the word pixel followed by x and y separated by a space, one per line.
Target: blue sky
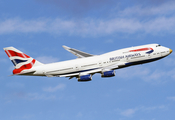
pixel 39 28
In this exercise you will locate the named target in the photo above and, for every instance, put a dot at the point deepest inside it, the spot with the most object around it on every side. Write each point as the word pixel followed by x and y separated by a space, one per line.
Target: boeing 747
pixel 87 64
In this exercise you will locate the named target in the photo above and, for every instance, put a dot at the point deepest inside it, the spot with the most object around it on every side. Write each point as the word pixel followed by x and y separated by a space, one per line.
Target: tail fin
pixel 20 60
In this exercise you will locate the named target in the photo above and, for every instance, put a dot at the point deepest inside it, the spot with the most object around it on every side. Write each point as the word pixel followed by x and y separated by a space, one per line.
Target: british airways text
pixel 125 56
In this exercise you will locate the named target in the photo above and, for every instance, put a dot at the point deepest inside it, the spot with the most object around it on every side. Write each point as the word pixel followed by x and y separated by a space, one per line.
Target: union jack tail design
pixel 20 60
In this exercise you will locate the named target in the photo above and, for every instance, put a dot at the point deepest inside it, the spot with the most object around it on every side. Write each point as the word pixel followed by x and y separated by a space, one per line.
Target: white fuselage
pixel 124 57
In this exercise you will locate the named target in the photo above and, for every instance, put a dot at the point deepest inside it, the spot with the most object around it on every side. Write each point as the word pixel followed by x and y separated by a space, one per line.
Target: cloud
pixel 56 88
pixel 18 25
pixel 15 85
pixel 153 2
pixel 153 75
pixel 136 11
pixel 47 59
pixel 31 96
pixel 139 71
pixel 171 98
pixel 160 76
pixel 137 19
pixel 109 41
pixel 27 116
pixel 128 112
pixel 131 111
pixel 83 7
pixel 170 60
pixel 79 7
pixel 79 115
pixel 37 96
pixel 89 27
pixel 34 96
pixel 4 60
pixel 150 109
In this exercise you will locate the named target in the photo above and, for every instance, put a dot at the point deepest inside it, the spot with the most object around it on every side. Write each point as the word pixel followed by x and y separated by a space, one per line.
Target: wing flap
pixel 69 75
pixel 82 73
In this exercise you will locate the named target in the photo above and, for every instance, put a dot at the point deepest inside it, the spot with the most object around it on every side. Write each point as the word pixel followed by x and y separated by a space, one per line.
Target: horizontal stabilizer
pixel 25 73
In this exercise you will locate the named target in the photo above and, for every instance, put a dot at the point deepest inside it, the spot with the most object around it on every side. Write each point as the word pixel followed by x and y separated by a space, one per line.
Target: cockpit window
pixel 158 45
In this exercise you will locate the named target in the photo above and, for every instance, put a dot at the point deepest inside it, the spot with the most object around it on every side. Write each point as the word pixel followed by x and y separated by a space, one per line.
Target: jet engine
pixel 110 73
pixel 85 78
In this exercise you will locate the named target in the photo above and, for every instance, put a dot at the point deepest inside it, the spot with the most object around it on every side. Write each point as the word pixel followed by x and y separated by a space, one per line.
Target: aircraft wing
pixel 77 53
pixel 97 70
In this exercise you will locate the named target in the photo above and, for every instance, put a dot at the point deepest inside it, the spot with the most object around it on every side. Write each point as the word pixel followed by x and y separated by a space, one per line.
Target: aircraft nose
pixel 171 50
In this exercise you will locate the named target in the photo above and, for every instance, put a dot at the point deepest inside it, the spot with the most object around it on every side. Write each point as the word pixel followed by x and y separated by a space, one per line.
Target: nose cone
pixel 171 50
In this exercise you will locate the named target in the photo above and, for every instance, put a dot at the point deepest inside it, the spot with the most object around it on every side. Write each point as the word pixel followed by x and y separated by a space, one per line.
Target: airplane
pixel 86 65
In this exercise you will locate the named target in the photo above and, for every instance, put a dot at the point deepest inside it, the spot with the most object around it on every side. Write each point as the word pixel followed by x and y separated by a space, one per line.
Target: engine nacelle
pixel 110 73
pixel 85 78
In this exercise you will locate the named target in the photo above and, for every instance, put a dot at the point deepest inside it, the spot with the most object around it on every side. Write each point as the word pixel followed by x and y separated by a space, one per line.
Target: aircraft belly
pixel 142 61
